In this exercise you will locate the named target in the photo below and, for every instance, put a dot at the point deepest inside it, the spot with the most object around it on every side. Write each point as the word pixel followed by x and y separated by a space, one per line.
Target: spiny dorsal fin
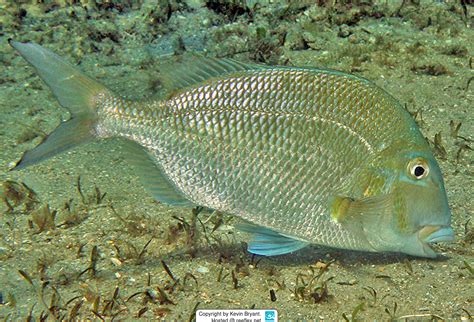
pixel 152 177
pixel 268 242
pixel 200 69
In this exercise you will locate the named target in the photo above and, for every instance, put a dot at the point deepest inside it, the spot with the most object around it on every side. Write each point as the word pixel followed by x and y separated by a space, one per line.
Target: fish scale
pixel 303 155
pixel 255 117
pixel 251 206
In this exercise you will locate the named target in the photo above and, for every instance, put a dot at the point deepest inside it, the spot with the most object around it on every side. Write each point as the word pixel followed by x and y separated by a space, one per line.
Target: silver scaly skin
pixel 270 146
pixel 316 156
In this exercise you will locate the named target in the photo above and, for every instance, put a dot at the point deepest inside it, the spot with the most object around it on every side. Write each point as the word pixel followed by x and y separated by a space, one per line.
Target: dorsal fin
pixel 152 177
pixel 199 69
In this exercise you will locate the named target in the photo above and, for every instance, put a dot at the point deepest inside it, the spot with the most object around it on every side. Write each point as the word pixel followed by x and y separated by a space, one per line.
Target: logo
pixel 270 316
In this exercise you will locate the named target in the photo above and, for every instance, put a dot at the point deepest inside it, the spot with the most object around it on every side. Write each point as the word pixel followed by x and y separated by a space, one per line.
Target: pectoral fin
pixel 268 242
pixel 345 209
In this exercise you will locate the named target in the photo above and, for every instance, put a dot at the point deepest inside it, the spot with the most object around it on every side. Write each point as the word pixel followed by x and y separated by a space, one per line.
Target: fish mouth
pixel 433 234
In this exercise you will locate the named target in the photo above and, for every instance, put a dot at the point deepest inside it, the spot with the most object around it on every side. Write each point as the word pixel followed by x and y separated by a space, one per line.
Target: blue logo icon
pixel 270 316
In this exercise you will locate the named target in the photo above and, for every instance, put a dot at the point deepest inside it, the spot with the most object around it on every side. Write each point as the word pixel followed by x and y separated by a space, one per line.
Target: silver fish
pixel 303 155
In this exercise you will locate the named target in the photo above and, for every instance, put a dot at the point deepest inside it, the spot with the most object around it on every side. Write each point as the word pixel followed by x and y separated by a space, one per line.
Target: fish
pixel 302 155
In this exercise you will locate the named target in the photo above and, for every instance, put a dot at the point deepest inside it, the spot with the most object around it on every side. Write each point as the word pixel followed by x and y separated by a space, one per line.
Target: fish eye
pixel 418 168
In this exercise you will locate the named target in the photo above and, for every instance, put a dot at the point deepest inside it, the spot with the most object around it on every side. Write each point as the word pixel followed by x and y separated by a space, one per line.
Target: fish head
pixel 424 213
pixel 414 210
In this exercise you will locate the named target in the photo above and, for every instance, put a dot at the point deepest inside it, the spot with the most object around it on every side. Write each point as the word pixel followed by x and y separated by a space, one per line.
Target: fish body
pixel 303 155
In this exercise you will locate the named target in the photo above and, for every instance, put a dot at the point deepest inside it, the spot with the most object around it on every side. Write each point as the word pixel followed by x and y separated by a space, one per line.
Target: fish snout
pixel 434 234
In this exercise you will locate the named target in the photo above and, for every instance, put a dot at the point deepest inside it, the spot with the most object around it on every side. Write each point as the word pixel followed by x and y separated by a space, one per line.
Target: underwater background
pixel 81 238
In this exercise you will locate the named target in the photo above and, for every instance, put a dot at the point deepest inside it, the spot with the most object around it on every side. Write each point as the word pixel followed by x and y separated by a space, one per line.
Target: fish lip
pixel 434 234
pixel 419 242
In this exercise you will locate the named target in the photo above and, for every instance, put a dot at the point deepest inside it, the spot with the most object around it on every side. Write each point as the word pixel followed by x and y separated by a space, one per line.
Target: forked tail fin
pixel 74 91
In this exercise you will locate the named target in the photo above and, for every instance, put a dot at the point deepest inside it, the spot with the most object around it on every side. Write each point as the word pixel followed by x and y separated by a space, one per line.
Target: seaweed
pixel 26 277
pixel 373 294
pixel 92 268
pixel 439 148
pixel 113 302
pixel 94 198
pixel 311 287
pixel 417 116
pixel 431 316
pixel 167 270
pixel 42 264
pixel 407 265
pixel 221 277
pixel 55 306
pixel 111 307
pixel 73 313
pixel 129 252
pixel 460 141
pixel 432 69
pixel 392 312
pixel 469 268
pixel 192 316
pixel 454 128
pixel 462 147
pixel 231 9
pixel 133 224
pixel 141 312
pixel 235 281
pixel 44 218
pixel 360 307
pixel 15 194
pixel 469 315
pixel 30 132
pixel 188 276
pixel 455 50
pixel 91 295
pixel 73 214
pixel 468 233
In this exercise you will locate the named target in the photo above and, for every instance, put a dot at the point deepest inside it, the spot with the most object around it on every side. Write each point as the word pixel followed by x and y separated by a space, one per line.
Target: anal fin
pixel 152 177
pixel 268 242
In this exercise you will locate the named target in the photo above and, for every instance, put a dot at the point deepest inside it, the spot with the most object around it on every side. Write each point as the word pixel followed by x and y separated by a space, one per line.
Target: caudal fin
pixel 74 91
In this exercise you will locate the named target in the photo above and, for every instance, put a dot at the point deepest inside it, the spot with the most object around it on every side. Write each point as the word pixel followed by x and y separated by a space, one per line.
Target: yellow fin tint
pixel 344 208
pixel 339 207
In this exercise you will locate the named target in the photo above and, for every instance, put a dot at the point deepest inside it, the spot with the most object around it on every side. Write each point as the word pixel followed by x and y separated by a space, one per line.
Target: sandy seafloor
pixel 420 52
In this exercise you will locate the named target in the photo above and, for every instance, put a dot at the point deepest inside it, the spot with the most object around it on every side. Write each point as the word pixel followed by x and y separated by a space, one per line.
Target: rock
pixel 294 40
pixel 163 46
pixel 344 31
pixel 195 4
